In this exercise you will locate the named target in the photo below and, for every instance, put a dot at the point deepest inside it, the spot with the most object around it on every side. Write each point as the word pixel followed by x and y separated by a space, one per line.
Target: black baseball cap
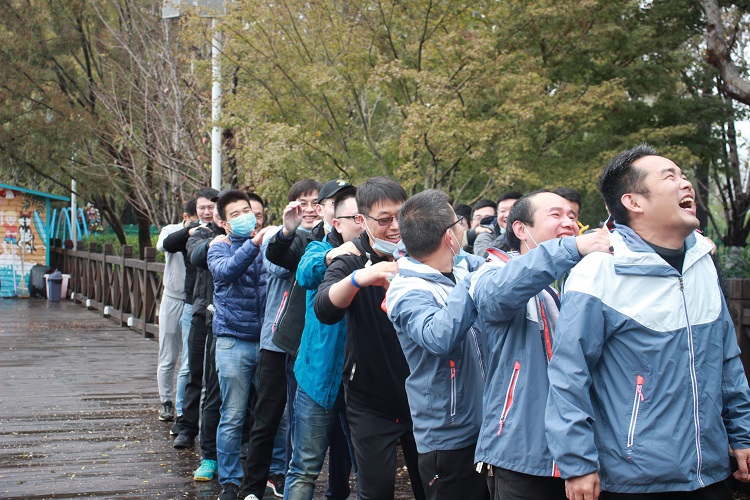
pixel 330 189
pixel 221 193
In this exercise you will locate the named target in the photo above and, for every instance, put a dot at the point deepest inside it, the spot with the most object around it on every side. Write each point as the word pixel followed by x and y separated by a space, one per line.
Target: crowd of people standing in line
pixel 370 320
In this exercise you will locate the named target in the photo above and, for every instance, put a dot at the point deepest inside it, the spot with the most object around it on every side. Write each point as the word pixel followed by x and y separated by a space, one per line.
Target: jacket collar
pixel 634 256
pixel 409 267
pixel 363 245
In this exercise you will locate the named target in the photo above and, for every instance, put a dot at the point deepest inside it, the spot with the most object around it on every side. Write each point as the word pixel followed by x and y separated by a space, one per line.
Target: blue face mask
pixel 385 247
pixel 243 225
pixel 328 227
pixel 460 256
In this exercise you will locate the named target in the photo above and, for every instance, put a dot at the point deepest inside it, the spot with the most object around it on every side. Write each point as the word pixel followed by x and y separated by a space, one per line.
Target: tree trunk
pixel 113 219
pixel 719 55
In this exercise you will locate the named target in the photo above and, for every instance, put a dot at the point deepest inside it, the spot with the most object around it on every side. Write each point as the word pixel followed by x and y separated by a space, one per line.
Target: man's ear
pixel 519 229
pixel 319 210
pixel 631 202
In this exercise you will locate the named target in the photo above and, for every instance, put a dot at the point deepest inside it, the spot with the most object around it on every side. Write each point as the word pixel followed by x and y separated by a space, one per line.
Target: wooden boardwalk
pixel 78 410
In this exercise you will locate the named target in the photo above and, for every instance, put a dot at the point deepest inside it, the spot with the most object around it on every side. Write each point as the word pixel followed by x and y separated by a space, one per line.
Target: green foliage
pixel 734 261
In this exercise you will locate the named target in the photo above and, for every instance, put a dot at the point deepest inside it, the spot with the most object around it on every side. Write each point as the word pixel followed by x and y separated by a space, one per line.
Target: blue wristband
pixel 354 282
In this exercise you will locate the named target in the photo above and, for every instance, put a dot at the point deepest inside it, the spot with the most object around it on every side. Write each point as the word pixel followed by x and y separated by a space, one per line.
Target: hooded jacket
pixel 517 315
pixel 375 368
pixel 646 384
pixel 174 267
pixel 433 319
pixel 239 288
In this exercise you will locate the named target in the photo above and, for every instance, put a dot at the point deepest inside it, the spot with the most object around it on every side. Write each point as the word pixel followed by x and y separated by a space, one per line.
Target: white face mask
pixel 383 246
pixel 532 238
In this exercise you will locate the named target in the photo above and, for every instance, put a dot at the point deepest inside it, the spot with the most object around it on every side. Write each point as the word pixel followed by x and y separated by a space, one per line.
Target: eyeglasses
pixel 459 221
pixel 304 204
pixel 384 221
pixel 352 217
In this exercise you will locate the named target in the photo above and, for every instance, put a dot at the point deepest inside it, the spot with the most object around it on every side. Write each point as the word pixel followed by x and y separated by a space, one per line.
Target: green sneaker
pixel 207 470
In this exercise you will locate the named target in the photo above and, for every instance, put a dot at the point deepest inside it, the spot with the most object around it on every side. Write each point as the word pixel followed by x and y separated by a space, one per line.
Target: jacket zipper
pixel 280 311
pixel 694 384
pixel 636 406
pixel 453 390
pixel 509 396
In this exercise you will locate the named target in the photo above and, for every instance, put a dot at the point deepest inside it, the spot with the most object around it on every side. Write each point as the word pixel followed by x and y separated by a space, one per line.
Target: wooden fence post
pixel 739 302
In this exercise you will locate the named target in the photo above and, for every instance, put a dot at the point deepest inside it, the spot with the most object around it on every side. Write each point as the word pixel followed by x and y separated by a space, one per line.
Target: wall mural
pixel 22 244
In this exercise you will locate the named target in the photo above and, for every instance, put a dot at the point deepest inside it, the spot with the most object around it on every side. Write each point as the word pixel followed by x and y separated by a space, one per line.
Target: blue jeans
pixel 310 436
pixel 184 374
pixel 236 362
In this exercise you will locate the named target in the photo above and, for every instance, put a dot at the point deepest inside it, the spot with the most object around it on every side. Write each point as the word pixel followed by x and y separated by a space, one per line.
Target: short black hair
pixel 569 194
pixel 207 193
pixel 303 187
pixel 343 195
pixel 422 221
pixel 190 207
pixel 522 210
pixel 464 210
pixel 378 190
pixel 255 197
pixel 509 195
pixel 228 197
pixel 620 177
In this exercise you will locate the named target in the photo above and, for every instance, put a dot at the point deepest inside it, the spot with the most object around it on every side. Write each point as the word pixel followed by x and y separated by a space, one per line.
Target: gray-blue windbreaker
pixel 433 320
pixel 646 384
pixel 516 314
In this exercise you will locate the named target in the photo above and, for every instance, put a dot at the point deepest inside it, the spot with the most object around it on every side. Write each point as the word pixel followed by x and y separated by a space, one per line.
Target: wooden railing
pixel 122 288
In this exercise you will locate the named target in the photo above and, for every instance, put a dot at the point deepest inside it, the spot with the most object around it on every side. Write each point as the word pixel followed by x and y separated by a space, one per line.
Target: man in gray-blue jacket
pixel 647 391
pixel 429 305
pixel 518 310
pixel 236 265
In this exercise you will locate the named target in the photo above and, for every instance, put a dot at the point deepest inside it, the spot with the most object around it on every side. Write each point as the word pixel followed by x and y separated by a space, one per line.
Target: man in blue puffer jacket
pixel 236 265
pixel 647 391
pixel 429 305
pixel 518 310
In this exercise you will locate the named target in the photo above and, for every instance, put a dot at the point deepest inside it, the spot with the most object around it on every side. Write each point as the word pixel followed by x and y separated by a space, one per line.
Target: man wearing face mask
pixel 239 279
pixel 517 315
pixel 375 368
pixel 429 305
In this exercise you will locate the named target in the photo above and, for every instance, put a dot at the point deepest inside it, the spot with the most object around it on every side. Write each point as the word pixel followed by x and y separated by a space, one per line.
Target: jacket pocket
pixel 454 396
pixel 280 311
pixel 509 396
pixel 637 398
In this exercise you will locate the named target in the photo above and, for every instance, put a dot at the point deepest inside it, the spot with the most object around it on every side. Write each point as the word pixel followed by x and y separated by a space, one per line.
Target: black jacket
pixel 197 251
pixel 287 254
pixel 375 368
pixel 177 242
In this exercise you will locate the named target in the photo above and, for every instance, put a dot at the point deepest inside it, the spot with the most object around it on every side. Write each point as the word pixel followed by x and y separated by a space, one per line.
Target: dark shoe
pixel 183 441
pixel 176 429
pixel 275 485
pixel 229 491
pixel 167 412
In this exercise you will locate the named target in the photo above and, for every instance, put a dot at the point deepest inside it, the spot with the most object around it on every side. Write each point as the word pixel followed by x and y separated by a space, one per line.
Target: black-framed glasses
pixel 346 217
pixel 459 221
pixel 383 221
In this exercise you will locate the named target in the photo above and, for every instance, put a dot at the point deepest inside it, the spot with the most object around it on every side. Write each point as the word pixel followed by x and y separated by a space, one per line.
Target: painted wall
pixel 22 239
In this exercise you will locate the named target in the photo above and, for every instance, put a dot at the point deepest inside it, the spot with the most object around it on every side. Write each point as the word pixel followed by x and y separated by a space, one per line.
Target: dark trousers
pixel 191 404
pixel 374 438
pixel 717 491
pixel 506 484
pixel 448 474
pixel 340 460
pixel 268 412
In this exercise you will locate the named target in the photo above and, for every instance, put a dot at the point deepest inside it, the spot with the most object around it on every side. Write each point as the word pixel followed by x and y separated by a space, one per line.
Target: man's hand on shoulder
pixel 260 235
pixel 343 249
pixel 222 238
pixel 597 241
pixel 583 487
pixel 377 274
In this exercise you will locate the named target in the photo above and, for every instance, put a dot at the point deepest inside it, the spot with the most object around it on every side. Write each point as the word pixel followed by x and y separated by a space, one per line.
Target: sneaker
pixel 207 470
pixel 275 485
pixel 167 412
pixel 229 491
pixel 176 429
pixel 251 497
pixel 183 441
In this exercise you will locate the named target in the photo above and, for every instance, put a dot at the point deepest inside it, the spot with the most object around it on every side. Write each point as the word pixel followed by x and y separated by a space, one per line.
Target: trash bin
pixel 54 286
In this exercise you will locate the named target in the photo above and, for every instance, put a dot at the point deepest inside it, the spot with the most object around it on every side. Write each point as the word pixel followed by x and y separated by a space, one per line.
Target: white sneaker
pixel 251 497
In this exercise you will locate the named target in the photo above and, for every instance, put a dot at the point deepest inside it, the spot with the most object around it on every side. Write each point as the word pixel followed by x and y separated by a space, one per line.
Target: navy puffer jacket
pixel 239 288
